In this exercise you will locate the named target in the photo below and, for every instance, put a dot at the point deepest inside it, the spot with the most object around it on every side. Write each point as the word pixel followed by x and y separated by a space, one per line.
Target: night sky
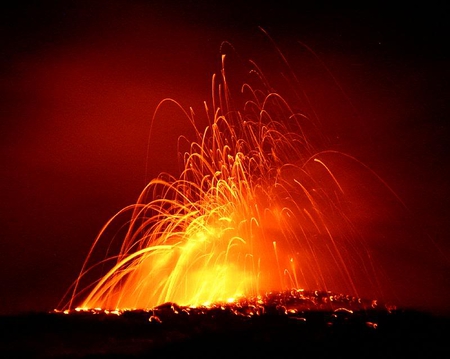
pixel 80 81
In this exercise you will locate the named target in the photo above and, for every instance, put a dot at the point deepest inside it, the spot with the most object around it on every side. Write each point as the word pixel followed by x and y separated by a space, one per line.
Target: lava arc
pixel 258 206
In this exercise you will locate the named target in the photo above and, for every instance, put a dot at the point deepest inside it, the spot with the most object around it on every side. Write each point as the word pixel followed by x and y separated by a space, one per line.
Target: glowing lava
pixel 256 208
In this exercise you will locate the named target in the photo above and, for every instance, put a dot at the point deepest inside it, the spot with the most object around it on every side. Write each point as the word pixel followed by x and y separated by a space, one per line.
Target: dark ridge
pixel 279 325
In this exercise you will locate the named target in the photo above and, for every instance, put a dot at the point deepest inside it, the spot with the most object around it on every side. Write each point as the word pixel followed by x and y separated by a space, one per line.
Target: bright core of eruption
pixel 256 208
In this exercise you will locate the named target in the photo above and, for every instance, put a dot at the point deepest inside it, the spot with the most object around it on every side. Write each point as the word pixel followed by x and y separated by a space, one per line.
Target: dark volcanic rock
pixel 280 325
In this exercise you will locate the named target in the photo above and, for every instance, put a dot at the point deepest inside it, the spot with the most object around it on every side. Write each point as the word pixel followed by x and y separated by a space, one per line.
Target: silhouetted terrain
pixel 280 328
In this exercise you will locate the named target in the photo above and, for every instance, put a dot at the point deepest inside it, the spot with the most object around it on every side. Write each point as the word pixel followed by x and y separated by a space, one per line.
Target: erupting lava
pixel 257 208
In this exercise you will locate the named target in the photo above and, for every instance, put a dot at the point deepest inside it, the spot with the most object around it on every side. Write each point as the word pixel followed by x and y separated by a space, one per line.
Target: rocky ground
pixel 290 324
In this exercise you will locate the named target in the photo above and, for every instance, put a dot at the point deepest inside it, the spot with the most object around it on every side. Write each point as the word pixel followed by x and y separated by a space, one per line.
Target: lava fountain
pixel 259 206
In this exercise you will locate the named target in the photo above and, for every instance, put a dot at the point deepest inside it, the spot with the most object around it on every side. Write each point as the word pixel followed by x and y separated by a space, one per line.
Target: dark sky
pixel 80 81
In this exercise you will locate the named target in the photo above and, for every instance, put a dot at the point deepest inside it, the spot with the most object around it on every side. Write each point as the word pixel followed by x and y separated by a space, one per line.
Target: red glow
pixel 258 207
pixel 80 82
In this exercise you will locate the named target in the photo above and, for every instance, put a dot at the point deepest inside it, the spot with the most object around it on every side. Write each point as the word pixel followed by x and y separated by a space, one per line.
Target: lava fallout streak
pixel 257 208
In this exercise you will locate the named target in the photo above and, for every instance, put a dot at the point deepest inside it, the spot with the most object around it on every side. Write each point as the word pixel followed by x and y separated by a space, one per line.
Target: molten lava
pixel 257 208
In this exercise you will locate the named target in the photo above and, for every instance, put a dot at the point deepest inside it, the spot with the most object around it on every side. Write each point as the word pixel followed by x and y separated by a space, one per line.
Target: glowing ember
pixel 292 303
pixel 257 208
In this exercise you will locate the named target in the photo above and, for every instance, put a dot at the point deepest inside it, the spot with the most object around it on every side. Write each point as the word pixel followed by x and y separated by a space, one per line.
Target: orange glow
pixel 257 208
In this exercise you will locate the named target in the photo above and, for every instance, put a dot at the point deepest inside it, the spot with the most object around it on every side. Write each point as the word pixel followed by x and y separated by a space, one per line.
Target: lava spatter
pixel 259 207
